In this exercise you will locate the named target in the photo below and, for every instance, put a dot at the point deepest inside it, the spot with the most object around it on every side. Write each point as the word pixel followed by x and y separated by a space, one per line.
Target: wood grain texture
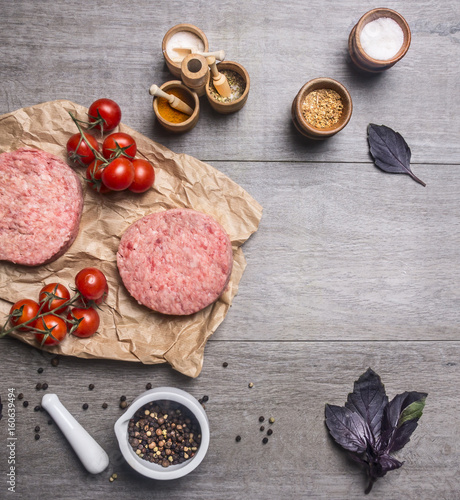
pixel 292 383
pixel 350 267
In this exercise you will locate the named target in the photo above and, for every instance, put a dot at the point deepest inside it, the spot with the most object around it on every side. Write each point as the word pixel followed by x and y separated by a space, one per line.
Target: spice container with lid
pixel 176 408
pixel 173 119
pixel 238 79
pixel 321 108
pixel 194 73
pixel 182 37
pixel 379 40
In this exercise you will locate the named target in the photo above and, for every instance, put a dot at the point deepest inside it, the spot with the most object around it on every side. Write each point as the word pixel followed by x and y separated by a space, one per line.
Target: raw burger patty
pixel 41 203
pixel 175 262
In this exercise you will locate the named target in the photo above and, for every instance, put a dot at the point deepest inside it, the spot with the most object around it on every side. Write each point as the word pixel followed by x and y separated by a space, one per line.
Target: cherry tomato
pixel 119 142
pixel 52 326
pixel 61 293
pixel 91 283
pixel 89 321
pixel 106 112
pixel 79 151
pixel 118 174
pixel 144 176
pixel 29 311
pixel 93 174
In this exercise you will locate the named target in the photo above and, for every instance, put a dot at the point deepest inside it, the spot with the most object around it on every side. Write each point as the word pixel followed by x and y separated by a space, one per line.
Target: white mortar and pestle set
pixel 95 459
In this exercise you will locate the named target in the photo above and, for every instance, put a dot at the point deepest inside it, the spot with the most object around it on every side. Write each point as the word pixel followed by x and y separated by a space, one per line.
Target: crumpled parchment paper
pixel 128 331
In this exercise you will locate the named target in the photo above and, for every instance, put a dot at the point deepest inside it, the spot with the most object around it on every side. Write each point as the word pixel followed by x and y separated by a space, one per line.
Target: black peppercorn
pixel 104 405
pixel 85 406
pixel 225 364
pixel 37 428
pixel 38 386
pixel 261 419
pixel 205 399
pixel 37 437
pixel 148 386
pixel 122 398
pixel 21 396
pixel 25 404
pixel 37 408
pixel 265 440
pixel 55 361
pixel 40 370
pixel 91 387
pixel 45 386
pixel 262 428
pixel 238 438
pixel 269 432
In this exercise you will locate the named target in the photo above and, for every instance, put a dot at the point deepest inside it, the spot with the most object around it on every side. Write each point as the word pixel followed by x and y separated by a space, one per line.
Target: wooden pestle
pixel 174 101
pixel 219 79
pixel 219 54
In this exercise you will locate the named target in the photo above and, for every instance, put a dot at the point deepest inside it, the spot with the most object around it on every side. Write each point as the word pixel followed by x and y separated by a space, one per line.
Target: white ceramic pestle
pixel 91 454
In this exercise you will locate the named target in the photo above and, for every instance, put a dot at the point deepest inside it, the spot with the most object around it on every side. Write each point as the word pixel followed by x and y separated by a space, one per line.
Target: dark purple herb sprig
pixel 371 428
pixel 390 151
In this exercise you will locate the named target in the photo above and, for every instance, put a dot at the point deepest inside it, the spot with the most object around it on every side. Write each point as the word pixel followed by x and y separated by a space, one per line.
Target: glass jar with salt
pixel 379 40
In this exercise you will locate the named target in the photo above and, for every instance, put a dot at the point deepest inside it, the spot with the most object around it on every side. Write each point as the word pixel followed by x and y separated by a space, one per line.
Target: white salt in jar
pixel 379 40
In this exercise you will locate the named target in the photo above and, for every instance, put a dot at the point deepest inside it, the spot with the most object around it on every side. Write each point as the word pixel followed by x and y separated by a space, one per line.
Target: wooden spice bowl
pixel 360 58
pixel 174 66
pixel 186 125
pixel 321 133
pixel 231 106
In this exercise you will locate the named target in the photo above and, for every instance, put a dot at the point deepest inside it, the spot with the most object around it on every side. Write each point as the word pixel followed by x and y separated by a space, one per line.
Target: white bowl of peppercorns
pixel 164 433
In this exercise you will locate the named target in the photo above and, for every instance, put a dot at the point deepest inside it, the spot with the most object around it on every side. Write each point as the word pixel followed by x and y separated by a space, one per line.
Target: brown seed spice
pixel 322 108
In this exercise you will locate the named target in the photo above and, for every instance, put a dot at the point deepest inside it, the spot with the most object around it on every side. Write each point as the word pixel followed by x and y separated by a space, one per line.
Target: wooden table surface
pixel 351 267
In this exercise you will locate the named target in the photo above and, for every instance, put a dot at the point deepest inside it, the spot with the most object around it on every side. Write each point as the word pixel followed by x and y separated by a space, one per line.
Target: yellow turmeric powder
pixel 170 114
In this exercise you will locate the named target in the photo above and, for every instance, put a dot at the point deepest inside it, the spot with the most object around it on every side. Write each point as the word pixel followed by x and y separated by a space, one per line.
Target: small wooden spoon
pixel 219 79
pixel 174 101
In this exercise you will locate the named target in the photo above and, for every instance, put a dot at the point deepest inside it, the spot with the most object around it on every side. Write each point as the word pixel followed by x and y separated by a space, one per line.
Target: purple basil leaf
pixel 347 428
pixel 390 151
pixel 369 400
pixel 400 419
pixel 385 464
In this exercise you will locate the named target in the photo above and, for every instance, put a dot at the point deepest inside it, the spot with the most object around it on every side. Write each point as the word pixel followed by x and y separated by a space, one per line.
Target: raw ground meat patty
pixel 175 262
pixel 41 202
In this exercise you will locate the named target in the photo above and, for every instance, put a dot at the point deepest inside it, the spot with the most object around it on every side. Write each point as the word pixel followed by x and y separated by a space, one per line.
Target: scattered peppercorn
pixel 104 405
pixel 91 387
pixel 148 386
pixel 123 404
pixel 37 428
pixel 40 370
pixel 269 432
pixel 37 408
pixel 261 419
pixel 265 440
pixel 238 438
pixel 122 398
pixel 250 385
pixel 271 420
pixel 37 437
pixel 205 399
pixel 38 386
pixel 20 395
pixel 45 386
pixel 262 428
pixel 55 361
pixel 225 364
pixel 85 406
pixel 25 404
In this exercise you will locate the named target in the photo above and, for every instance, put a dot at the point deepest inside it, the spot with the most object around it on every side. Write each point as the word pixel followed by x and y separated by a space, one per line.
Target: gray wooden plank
pixel 345 251
pixel 77 51
pixel 292 383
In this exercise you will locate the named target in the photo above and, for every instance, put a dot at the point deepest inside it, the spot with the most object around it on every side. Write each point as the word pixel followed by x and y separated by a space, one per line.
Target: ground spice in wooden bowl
pixel 322 108
pixel 164 433
pixel 169 113
pixel 236 83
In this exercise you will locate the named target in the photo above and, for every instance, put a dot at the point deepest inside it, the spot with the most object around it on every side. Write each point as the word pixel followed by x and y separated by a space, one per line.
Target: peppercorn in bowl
pixel 164 433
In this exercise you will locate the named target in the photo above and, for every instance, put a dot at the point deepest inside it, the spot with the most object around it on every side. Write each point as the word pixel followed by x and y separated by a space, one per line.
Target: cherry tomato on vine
pixel 50 325
pixel 91 283
pixel 144 176
pixel 93 175
pixel 29 311
pixel 106 113
pixel 79 151
pixel 113 143
pixel 89 321
pixel 118 175
pixel 61 293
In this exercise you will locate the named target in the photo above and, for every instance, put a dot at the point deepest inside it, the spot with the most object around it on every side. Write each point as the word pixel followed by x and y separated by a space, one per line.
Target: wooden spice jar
pixel 357 53
pixel 166 115
pixel 194 73
pixel 227 107
pixel 173 65
pixel 315 132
